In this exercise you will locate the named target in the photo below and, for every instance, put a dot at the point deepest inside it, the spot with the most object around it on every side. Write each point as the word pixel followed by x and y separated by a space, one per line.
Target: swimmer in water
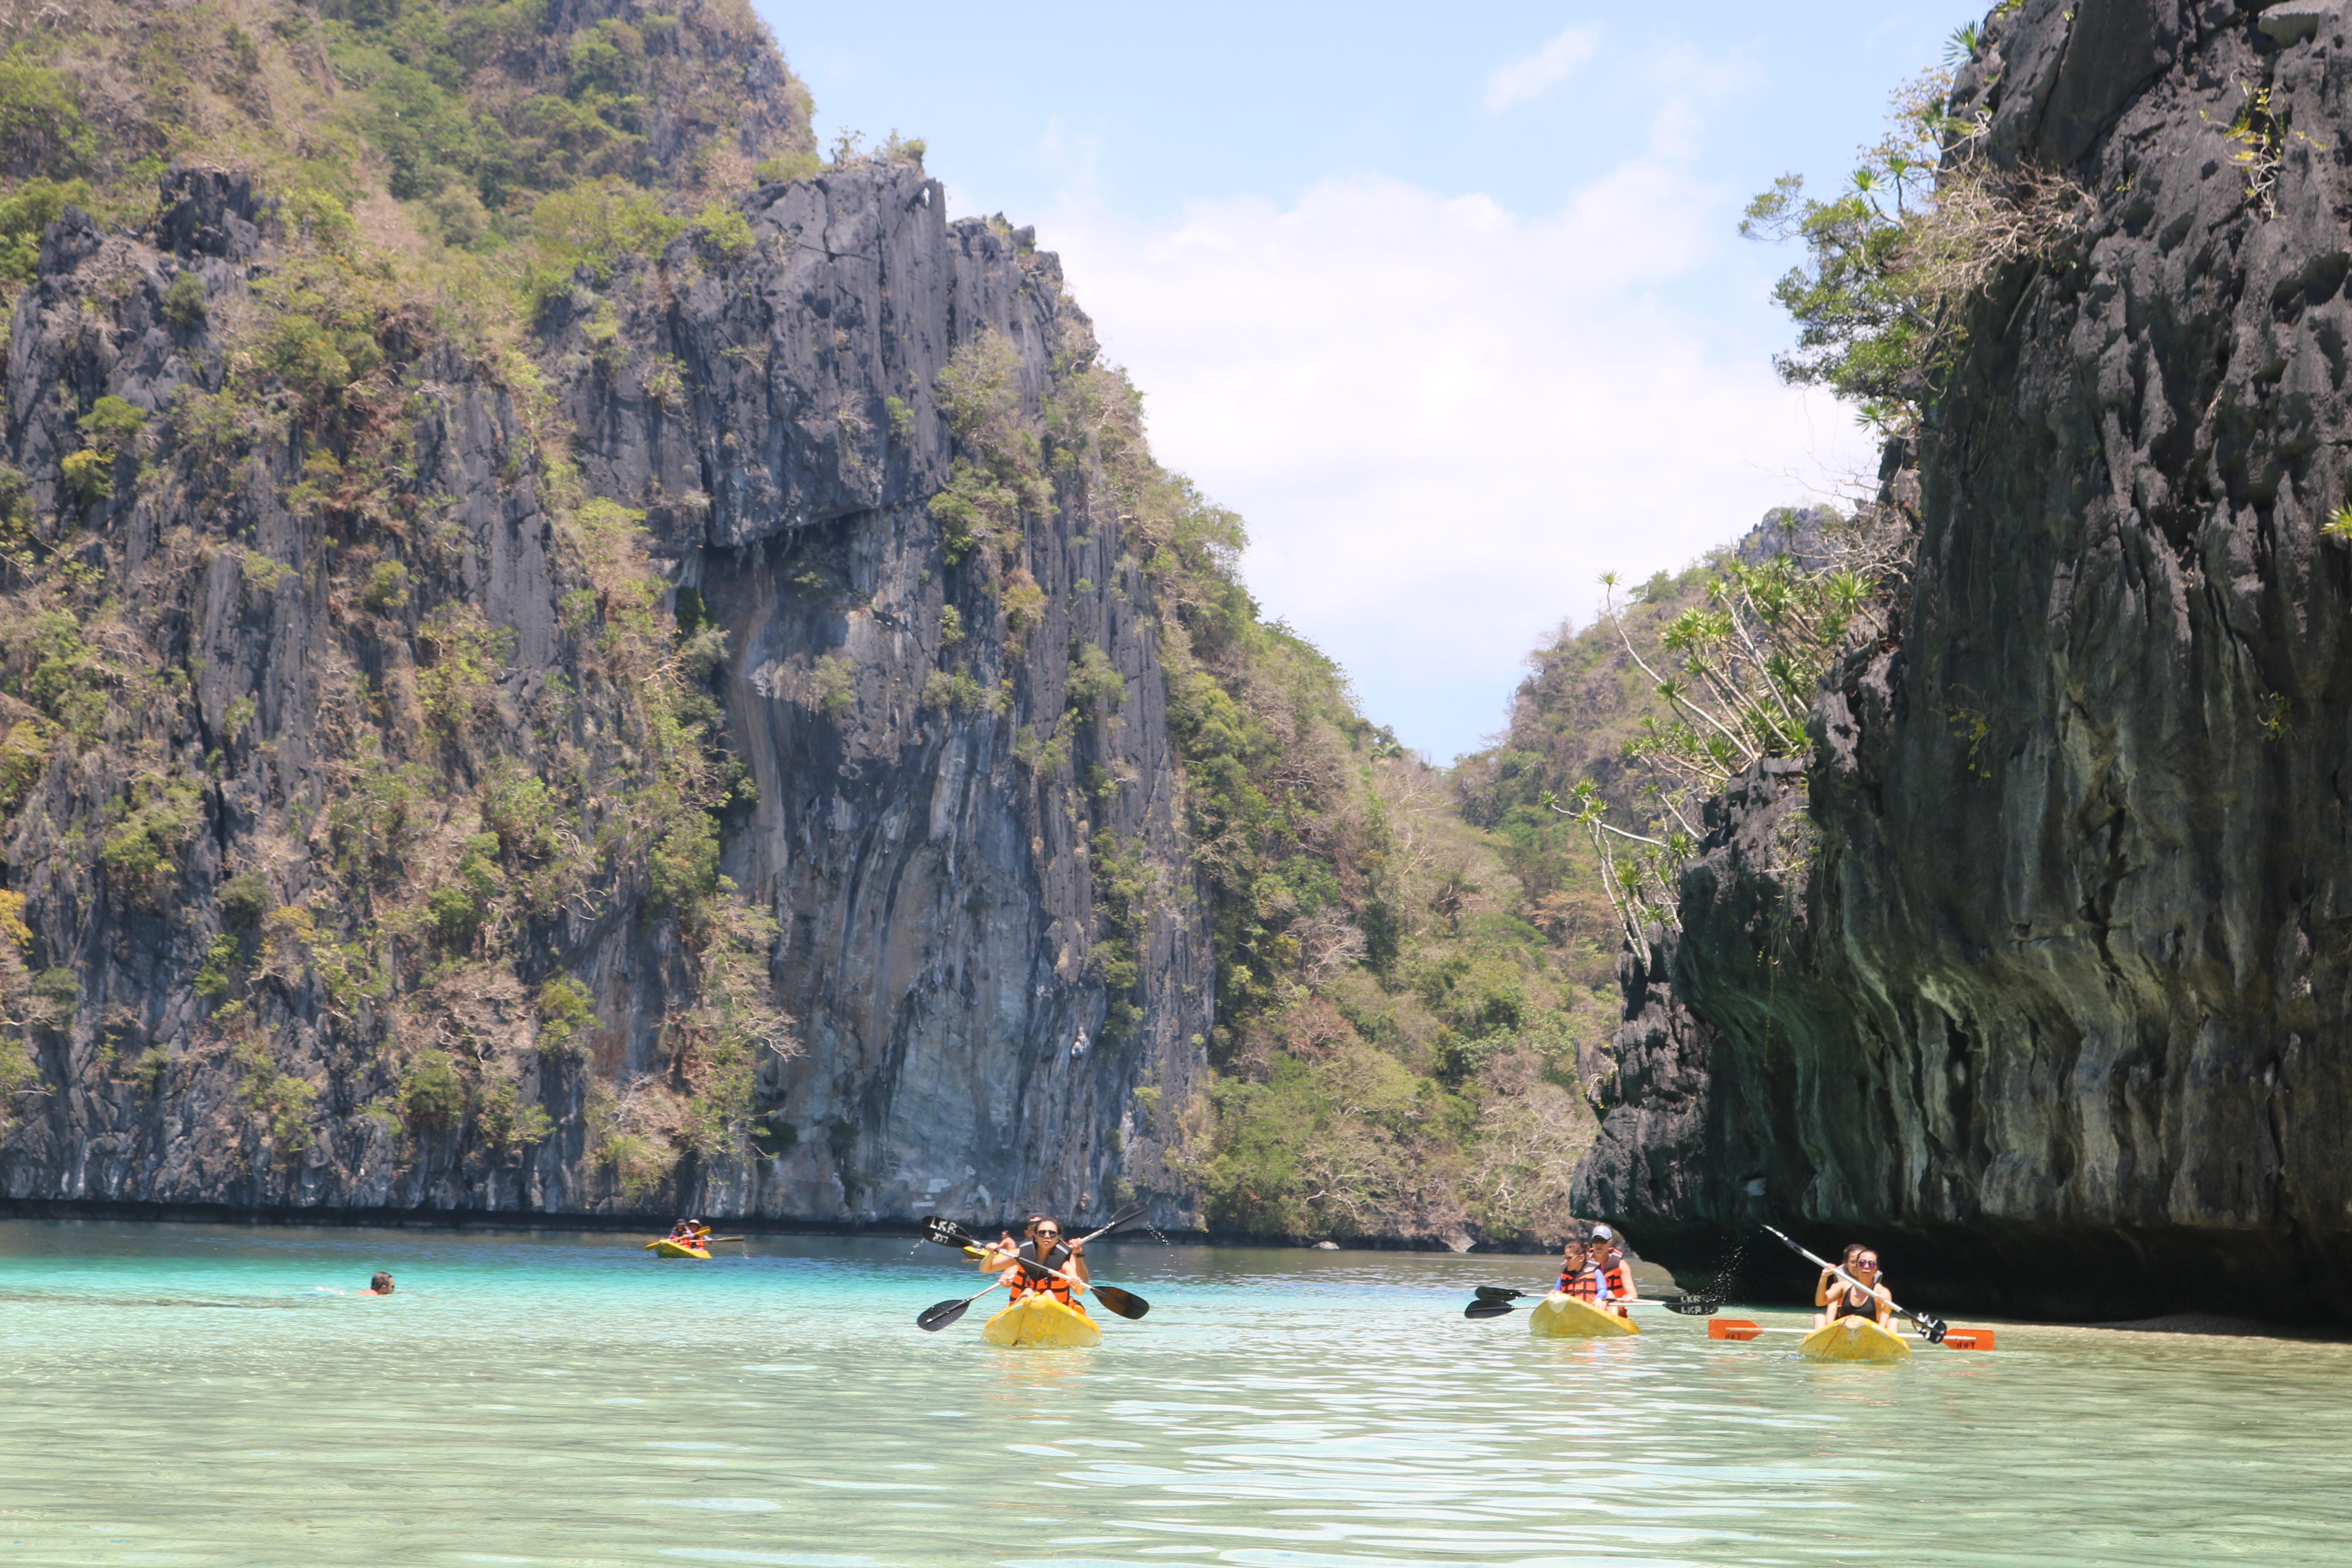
pixel 378 1285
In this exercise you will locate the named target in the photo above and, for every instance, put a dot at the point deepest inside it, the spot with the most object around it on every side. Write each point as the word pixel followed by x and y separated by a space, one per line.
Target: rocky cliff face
pixel 385 845
pixel 2043 985
pixel 937 895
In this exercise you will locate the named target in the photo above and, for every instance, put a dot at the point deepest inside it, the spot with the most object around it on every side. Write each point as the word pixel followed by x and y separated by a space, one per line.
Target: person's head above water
pixel 378 1285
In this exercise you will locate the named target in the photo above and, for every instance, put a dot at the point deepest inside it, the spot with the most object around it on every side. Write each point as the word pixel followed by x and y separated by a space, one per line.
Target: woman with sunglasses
pixel 1829 1281
pixel 1045 1250
pixel 1868 1298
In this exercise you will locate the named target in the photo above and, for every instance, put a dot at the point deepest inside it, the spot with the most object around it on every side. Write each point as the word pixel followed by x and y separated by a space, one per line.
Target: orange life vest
pixel 1584 1286
pixel 1025 1283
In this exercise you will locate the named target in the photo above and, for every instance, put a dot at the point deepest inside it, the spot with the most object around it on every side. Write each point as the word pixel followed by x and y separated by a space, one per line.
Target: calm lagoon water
pixel 172 1393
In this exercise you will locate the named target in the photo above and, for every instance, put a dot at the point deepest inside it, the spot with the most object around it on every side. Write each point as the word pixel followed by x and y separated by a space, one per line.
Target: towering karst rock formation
pixel 2044 984
pixel 420 703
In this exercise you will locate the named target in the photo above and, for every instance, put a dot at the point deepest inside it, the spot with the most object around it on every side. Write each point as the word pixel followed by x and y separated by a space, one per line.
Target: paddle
pixel 947 1233
pixel 1126 1303
pixel 941 1314
pixel 1934 1328
pixel 1689 1305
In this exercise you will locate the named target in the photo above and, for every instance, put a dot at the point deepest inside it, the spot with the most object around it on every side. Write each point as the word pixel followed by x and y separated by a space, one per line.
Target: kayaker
pixel 1829 1281
pixel 1046 1250
pixel 687 1233
pixel 378 1285
pixel 1868 1298
pixel 1610 1258
pixel 1579 1277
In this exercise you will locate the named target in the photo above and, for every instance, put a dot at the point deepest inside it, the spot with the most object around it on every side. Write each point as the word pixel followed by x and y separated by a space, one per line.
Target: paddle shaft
pixel 1689 1307
pixel 1927 1323
pixel 1027 1263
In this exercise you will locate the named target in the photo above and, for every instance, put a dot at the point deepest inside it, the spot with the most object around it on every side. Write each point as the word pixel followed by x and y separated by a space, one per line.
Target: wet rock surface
pixel 2042 987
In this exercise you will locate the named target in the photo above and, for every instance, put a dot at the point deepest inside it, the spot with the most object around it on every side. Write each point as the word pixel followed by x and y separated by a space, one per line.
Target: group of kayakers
pixel 1864 1295
pixel 1594 1269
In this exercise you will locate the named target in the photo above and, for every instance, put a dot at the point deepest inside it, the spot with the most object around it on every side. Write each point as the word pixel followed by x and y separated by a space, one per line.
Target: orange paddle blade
pixel 1733 1329
pixel 1968 1339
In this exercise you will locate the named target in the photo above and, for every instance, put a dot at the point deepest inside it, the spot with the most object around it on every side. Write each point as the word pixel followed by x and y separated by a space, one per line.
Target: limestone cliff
pixel 396 828
pixel 2043 985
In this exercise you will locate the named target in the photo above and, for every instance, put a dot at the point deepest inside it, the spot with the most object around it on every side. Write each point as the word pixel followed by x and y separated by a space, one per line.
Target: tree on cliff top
pixel 1924 220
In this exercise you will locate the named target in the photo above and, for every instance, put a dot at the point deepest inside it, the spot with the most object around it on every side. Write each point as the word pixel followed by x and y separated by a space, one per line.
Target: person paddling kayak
pixel 1581 1278
pixel 687 1233
pixel 1610 1258
pixel 1828 1282
pixel 1045 1250
pixel 1868 1299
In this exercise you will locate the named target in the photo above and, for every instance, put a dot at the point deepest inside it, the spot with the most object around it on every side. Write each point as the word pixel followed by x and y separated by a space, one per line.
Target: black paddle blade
pixel 1692 1306
pixel 1497 1293
pixel 947 1233
pixel 940 1315
pixel 1488 1309
pixel 1126 1303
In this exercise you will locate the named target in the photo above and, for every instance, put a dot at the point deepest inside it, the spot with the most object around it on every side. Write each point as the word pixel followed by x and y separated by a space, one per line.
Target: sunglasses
pixel 1047 1230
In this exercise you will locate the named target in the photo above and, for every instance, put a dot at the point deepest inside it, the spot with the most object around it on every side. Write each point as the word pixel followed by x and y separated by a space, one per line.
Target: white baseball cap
pixel 1603 1233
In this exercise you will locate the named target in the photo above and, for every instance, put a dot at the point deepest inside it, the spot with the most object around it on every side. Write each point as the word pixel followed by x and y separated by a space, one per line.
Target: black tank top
pixel 1844 1305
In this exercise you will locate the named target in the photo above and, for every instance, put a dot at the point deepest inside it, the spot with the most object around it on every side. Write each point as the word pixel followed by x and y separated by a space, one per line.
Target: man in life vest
pixel 1579 1277
pixel 1044 1251
pixel 1868 1296
pixel 1610 1258
pixel 689 1233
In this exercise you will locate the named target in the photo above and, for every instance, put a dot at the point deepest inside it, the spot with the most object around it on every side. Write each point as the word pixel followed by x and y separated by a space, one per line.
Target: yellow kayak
pixel 1852 1339
pixel 1562 1316
pixel 668 1248
pixel 1041 1320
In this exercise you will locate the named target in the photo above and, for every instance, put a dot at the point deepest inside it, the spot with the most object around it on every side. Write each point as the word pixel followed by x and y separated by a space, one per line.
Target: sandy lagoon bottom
pixel 188 1395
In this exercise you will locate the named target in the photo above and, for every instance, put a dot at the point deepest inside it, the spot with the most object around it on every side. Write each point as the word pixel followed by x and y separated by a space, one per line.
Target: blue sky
pixel 1451 309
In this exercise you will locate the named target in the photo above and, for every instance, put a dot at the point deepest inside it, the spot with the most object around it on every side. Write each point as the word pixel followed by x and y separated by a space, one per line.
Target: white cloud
pixel 1442 420
pixel 1531 75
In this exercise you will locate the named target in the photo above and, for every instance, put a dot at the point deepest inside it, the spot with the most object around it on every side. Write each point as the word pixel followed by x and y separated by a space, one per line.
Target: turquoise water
pixel 192 1394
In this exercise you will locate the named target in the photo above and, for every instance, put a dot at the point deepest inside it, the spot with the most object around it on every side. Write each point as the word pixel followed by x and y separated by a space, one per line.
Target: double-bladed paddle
pixel 947 1233
pixel 1494 1302
pixel 1934 1328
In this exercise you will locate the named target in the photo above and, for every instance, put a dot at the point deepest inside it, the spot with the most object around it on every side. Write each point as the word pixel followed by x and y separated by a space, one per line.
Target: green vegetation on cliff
pixel 1403 998
pixel 413 844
